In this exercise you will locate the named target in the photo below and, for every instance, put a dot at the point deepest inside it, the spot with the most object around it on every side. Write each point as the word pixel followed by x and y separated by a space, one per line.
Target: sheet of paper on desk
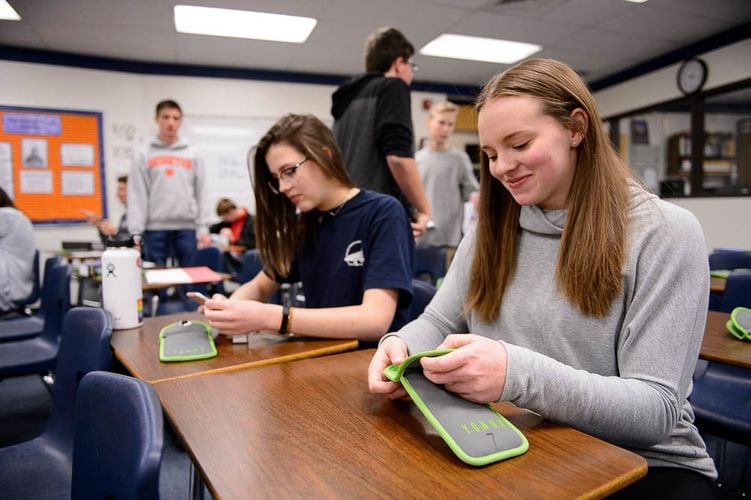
pixel 163 276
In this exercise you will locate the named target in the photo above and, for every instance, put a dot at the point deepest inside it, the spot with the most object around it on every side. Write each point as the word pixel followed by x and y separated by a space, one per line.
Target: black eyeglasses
pixel 415 66
pixel 287 175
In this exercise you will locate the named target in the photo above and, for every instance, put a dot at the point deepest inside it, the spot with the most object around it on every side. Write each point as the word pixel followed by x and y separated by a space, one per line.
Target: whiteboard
pixel 223 143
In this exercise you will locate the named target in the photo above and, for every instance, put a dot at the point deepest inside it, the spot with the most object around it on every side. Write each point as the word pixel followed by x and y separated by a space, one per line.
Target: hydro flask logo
pixel 111 270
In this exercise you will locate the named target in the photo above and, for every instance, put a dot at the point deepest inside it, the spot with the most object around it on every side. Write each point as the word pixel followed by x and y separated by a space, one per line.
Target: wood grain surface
pixel 719 345
pixel 138 350
pixel 311 429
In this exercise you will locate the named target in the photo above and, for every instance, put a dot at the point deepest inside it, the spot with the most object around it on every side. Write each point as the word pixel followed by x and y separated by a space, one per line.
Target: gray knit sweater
pixel 623 378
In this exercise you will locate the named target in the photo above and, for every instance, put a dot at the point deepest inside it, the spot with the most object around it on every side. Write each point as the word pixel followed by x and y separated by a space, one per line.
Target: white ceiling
pixel 597 37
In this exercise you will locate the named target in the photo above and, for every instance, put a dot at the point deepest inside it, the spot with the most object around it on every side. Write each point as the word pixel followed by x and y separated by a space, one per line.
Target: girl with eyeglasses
pixel 351 248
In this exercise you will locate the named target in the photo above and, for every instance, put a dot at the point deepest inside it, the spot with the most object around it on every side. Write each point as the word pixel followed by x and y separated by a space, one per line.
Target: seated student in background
pixel 351 248
pixel 107 230
pixel 584 296
pixel 17 249
pixel 235 229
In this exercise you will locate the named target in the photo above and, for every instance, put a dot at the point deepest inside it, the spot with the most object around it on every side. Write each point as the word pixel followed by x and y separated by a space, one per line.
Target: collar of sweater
pixel 534 219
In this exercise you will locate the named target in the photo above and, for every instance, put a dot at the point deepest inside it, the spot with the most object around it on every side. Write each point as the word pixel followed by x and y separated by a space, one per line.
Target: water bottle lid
pixel 120 243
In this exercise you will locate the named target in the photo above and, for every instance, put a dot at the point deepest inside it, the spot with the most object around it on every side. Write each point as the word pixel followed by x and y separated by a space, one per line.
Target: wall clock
pixel 692 74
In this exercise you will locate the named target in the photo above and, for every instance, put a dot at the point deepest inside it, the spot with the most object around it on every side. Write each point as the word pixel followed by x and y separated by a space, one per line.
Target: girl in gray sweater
pixel 579 295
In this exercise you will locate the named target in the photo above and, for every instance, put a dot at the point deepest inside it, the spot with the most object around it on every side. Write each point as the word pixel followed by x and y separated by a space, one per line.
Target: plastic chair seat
pixel 35 355
pixel 40 469
pixel 19 328
pixel 721 399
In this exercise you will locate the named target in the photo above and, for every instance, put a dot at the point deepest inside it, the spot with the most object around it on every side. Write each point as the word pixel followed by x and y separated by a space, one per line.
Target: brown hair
pixel 168 104
pixel 593 244
pixel 280 233
pixel 383 47
pixel 224 205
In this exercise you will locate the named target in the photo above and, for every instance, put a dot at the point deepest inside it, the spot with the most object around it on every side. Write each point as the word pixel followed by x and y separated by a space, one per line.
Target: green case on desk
pixel 476 433
pixel 186 341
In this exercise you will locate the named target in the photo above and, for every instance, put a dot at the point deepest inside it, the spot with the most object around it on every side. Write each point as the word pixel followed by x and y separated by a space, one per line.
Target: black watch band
pixel 285 319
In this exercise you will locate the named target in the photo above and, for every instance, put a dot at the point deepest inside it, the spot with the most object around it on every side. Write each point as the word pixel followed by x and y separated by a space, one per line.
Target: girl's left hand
pixel 476 370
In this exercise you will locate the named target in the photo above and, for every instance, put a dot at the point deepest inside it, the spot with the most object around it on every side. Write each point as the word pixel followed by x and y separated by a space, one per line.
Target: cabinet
pixel 719 154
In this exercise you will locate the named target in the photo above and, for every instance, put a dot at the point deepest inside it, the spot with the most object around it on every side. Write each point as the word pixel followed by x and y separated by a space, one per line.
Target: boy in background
pixel 447 176
pixel 165 191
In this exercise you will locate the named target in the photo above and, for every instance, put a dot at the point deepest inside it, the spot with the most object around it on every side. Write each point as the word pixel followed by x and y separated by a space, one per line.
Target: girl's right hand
pixel 392 351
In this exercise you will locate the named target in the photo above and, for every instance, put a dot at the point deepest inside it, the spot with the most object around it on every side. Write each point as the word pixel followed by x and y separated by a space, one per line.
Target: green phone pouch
pixel 739 324
pixel 476 433
pixel 186 341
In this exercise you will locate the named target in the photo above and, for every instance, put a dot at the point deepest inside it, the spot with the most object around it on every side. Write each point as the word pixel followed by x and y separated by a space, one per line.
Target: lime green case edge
pixel 464 457
pixel 194 357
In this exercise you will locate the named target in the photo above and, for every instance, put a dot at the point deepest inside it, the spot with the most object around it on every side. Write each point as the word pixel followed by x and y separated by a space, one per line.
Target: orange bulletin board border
pixel 52 163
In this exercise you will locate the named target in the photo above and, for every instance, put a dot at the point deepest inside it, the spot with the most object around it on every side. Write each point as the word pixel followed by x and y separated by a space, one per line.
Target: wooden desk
pixel 138 350
pixel 717 285
pixel 719 345
pixel 311 429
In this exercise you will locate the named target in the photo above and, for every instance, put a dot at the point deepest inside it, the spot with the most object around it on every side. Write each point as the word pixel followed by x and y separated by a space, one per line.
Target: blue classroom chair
pixel 39 354
pixel 119 438
pixel 251 266
pixel 55 303
pixel 34 295
pixel 41 468
pixel 729 260
pixel 430 261
pixel 422 294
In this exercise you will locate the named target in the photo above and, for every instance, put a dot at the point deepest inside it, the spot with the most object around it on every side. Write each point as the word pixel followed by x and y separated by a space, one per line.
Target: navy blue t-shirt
pixel 367 244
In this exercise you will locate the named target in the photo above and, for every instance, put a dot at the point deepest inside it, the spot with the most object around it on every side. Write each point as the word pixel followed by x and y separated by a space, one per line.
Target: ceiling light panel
pixel 242 24
pixel 474 48
pixel 8 13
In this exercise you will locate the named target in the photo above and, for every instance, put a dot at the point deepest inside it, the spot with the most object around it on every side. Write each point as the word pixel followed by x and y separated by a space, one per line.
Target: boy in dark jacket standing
pixel 373 125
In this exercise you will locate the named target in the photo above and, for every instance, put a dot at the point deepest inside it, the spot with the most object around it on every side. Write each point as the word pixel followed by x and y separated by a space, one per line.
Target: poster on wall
pixel 51 163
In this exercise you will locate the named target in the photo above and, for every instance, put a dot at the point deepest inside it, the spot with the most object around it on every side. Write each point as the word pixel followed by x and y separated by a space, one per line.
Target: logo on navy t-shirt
pixel 353 256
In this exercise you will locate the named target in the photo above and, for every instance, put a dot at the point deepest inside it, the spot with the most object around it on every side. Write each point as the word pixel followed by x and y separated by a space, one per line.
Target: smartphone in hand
pixel 197 297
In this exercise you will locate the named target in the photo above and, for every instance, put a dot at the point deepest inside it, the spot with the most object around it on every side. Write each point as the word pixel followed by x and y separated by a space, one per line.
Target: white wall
pixel 721 218
pixel 127 104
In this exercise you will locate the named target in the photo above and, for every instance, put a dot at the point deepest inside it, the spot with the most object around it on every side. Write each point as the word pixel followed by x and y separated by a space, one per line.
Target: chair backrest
pixel 430 260
pixel 251 266
pixel 34 295
pixel 422 294
pixel 84 347
pixel 55 298
pixel 118 438
pixel 737 291
pixel 730 260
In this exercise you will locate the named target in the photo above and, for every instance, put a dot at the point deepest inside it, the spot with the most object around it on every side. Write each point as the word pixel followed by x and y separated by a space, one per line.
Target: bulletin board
pixel 51 163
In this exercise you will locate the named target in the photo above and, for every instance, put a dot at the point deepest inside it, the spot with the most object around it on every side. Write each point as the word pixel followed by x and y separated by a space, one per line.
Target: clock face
pixel 691 76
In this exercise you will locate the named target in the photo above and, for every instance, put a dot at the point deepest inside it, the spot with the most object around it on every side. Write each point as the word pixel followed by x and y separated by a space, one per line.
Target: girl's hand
pixel 233 317
pixel 476 370
pixel 392 351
